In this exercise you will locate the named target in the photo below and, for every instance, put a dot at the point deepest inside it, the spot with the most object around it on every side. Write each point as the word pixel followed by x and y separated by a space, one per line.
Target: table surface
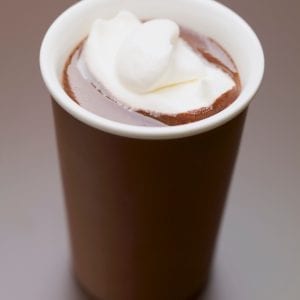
pixel 258 253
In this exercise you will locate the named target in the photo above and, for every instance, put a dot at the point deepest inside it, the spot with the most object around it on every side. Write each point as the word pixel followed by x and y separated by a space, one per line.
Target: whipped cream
pixel 147 66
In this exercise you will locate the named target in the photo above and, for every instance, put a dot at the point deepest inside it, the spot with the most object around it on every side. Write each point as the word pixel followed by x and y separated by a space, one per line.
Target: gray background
pixel 258 255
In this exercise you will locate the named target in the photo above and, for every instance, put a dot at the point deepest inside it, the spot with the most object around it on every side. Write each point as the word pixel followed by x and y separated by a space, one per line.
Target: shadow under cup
pixel 144 204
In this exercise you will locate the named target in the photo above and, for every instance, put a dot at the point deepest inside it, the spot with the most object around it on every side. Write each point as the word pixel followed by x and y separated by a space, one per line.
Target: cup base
pixel 89 295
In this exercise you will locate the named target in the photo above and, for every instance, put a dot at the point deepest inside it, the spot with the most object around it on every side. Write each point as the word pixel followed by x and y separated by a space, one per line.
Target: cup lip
pixel 142 132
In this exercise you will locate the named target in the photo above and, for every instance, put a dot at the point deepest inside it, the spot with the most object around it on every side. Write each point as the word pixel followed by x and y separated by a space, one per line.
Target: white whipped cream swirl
pixel 147 66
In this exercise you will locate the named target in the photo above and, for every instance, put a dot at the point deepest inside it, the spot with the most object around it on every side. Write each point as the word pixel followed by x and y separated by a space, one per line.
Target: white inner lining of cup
pixel 205 16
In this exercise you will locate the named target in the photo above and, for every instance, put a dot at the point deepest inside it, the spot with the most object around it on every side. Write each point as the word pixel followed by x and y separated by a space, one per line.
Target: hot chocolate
pixel 103 99
pixel 144 204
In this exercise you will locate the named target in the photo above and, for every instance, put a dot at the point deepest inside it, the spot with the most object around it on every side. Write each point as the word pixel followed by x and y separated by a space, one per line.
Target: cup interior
pixel 204 16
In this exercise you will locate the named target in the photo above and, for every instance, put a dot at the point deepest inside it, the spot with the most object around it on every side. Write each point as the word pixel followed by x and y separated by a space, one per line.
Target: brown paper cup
pixel 144 204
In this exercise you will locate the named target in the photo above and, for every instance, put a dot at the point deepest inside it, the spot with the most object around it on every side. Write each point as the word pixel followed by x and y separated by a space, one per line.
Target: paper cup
pixel 144 204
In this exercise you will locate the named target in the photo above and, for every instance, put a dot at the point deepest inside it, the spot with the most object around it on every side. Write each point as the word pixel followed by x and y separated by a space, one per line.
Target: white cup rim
pixel 142 132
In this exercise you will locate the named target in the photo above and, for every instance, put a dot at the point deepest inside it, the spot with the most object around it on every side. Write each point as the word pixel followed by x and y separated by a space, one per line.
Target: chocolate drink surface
pixel 94 96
